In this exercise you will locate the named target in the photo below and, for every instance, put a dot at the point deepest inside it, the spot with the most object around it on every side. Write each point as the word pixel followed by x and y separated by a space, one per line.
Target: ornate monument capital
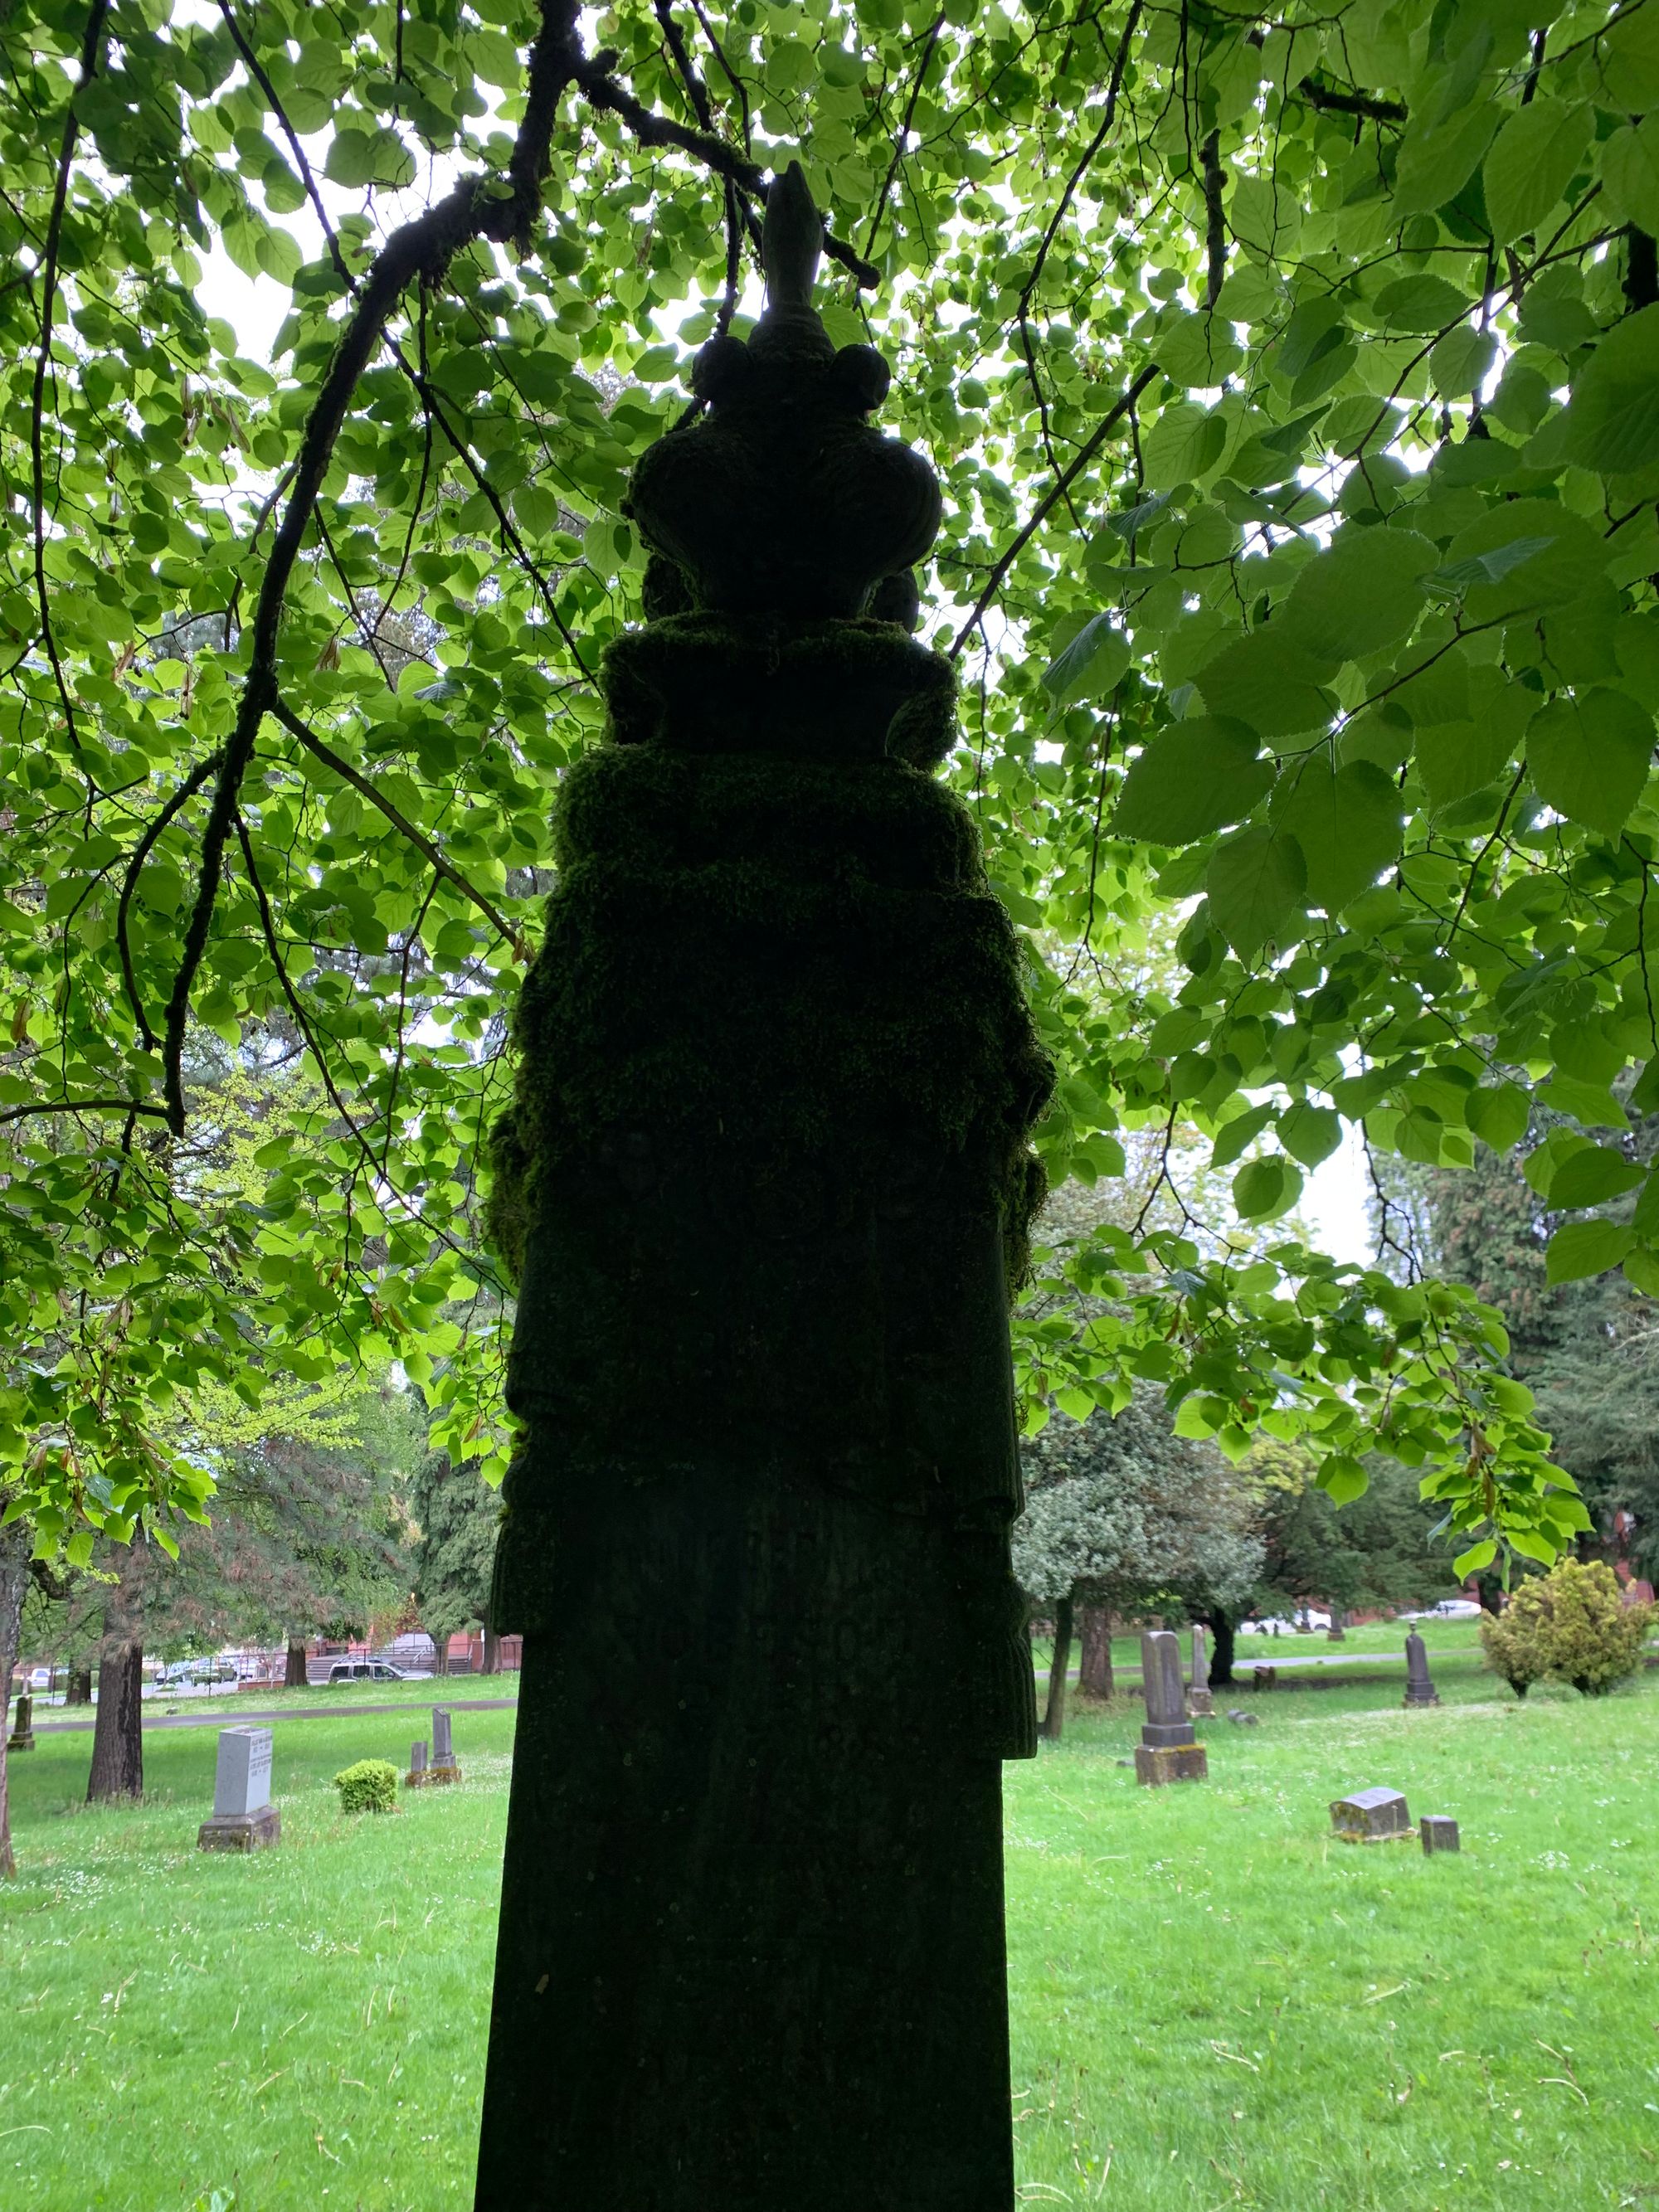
pixel 782 499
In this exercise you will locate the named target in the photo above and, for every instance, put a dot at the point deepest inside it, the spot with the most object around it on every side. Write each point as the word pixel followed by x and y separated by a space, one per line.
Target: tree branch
pixel 1215 219
pixel 421 249
pixel 1119 407
pixel 186 791
pixel 84 1106
pixel 916 83
pixel 423 844
pixel 1364 103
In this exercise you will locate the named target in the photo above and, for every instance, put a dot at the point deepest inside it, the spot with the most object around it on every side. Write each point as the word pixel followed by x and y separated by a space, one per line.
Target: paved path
pixel 228 1716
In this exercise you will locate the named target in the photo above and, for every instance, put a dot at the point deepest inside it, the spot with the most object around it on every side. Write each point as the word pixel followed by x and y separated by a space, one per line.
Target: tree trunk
pixel 78 1689
pixel 492 1652
pixel 439 1654
pixel 1221 1660
pixel 1095 1674
pixel 295 1677
pixel 118 1741
pixel 16 1543
pixel 1053 1717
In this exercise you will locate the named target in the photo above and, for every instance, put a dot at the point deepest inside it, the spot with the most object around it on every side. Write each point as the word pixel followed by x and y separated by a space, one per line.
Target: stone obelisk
pixel 767 1183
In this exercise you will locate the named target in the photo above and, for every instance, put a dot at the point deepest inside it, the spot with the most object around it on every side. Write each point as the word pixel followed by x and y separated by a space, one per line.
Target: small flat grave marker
pixel 1372 1816
pixel 1439 1834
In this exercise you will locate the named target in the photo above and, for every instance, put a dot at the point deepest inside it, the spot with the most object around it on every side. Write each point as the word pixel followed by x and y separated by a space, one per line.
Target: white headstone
pixel 242 1782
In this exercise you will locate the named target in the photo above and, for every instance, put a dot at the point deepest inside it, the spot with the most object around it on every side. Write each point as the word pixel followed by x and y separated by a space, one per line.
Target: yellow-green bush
pixel 1573 1624
pixel 370 1786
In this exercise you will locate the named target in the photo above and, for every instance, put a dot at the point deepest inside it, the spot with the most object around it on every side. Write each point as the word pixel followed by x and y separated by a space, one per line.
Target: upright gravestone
pixel 1198 1698
pixel 243 1818
pixel 443 1768
pixel 23 1734
pixel 1438 1831
pixel 776 1065
pixel 1168 1750
pixel 1420 1689
pixel 418 1775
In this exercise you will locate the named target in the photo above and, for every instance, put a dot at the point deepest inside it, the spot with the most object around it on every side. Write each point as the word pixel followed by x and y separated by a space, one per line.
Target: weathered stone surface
pixel 1165 1692
pixel 768 1179
pixel 1372 1816
pixel 1420 1689
pixel 23 1731
pixel 1158 1764
pixel 1200 1702
pixel 418 1774
pixel 240 1831
pixel 1264 1677
pixel 1439 1834
pixel 1242 1719
pixel 241 1780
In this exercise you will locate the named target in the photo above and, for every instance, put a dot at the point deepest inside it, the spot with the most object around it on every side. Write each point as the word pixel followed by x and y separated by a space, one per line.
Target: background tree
pixel 1298 611
pixel 457 1514
pixel 1124 1516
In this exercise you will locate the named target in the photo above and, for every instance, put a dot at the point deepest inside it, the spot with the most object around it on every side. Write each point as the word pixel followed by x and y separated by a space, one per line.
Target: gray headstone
pixel 417 1757
pixel 1420 1689
pixel 443 1749
pixel 1242 1719
pixel 1164 1690
pixel 23 1733
pixel 1372 1816
pixel 1438 1831
pixel 241 1782
pixel 1200 1659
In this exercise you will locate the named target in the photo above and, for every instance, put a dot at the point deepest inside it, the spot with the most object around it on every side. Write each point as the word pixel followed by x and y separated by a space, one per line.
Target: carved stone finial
pixel 791 239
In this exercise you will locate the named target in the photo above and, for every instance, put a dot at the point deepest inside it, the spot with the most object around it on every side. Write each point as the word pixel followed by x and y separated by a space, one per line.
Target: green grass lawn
pixel 1213 2005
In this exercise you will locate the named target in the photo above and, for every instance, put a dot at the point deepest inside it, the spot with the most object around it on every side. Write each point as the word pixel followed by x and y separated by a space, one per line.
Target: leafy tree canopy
pixel 1293 376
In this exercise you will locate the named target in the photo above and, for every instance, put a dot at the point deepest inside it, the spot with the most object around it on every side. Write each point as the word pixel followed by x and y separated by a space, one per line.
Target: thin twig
pixel 400 822
pixel 1086 452
pixel 916 83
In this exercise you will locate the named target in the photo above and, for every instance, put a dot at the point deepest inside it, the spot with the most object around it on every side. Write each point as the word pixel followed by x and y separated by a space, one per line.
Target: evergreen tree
pixel 457 1514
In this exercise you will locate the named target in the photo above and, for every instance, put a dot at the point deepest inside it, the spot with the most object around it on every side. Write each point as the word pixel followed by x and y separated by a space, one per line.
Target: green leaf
pixel 1254 882
pixel 1532 162
pixel 1459 363
pixel 1420 305
pixel 1348 826
pixel 1310 1134
pixel 1092 662
pixel 1478 1557
pixel 1234 1137
pixel 1630 173
pixel 1263 1189
pixel 1611 422
pixel 1591 1177
pixel 1361 594
pixel 1588 756
pixel 1498 1114
pixel 1434 164
pixel 1342 1478
pixel 1190 779
pixel 1587 1248
pixel 1268 682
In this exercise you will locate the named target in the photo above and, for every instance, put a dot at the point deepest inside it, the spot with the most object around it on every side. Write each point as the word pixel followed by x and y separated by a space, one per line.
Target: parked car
pixel 193 1674
pixel 1277 1626
pixel 376 1670
pixel 1449 1608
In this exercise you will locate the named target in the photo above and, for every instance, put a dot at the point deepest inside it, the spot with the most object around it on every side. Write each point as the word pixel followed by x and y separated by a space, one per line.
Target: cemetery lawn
pixel 1213 2003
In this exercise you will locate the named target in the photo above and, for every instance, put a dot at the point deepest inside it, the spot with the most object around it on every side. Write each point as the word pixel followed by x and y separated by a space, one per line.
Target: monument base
pixel 240 1831
pixel 1158 1763
pixel 20 1742
pixel 1201 1705
pixel 441 1774
pixel 1421 1697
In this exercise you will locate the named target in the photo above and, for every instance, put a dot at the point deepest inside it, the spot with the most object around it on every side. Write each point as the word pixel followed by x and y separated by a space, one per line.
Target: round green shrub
pixel 370 1786
pixel 1573 1622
